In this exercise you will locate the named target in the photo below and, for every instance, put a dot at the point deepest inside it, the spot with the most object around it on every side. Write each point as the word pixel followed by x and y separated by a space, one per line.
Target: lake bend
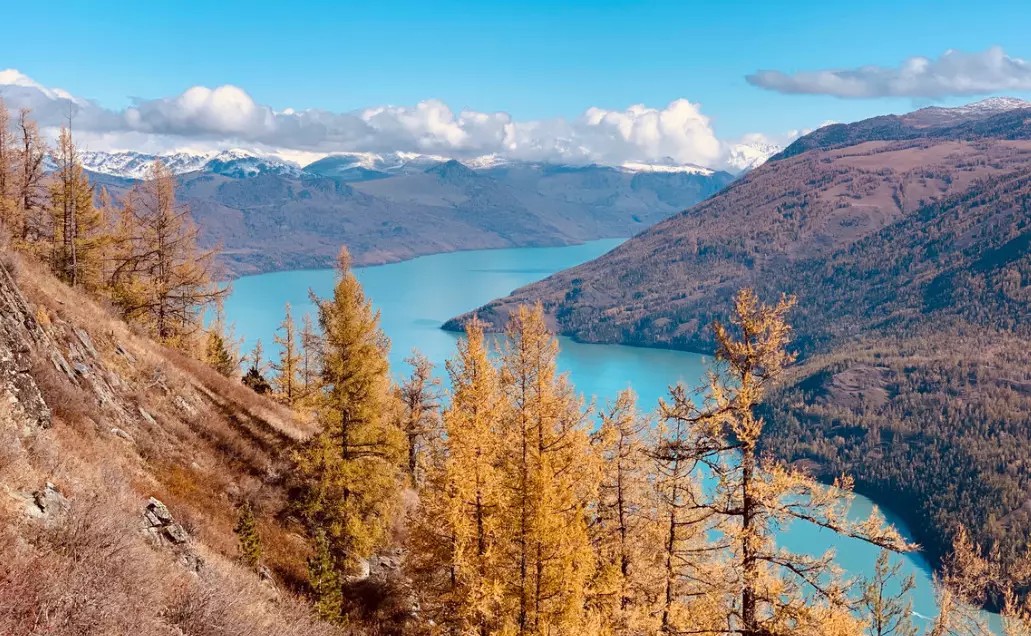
pixel 416 297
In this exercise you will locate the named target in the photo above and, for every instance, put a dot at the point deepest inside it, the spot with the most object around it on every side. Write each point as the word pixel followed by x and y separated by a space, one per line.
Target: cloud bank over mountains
pixel 211 118
pixel 954 73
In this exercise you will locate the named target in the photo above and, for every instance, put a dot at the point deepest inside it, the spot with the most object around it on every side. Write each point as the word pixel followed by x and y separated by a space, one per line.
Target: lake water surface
pixel 417 296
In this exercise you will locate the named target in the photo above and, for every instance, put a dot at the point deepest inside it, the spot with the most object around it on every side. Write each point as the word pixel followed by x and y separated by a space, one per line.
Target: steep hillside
pixel 827 214
pixel 122 466
pixel 911 262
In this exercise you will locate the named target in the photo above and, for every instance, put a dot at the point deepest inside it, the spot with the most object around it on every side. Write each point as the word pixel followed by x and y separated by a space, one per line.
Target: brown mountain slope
pixel 94 422
pixel 783 222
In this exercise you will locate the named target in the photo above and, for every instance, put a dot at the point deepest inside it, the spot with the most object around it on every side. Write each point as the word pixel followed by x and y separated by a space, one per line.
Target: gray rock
pixel 117 432
pixel 148 417
pixel 159 511
pixel 120 350
pixel 363 571
pixel 176 534
pixel 50 501
pixel 21 404
pixel 184 405
pixel 86 341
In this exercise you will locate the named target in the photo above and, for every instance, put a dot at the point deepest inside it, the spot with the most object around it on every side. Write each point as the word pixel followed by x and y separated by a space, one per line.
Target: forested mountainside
pixel 275 219
pixel 911 264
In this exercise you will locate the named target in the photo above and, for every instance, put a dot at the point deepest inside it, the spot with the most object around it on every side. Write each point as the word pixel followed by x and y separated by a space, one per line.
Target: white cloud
pixel 226 110
pixel 203 117
pixel 951 74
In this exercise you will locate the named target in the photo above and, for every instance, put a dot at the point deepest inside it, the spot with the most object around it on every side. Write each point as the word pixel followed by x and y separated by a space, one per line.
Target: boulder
pixel 49 501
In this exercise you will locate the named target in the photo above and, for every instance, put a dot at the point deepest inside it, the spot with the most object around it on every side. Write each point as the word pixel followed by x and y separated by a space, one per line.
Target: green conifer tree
pixel 247 536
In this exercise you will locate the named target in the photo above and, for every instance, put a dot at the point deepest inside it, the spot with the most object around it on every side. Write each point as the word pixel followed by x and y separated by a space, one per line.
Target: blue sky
pixel 533 60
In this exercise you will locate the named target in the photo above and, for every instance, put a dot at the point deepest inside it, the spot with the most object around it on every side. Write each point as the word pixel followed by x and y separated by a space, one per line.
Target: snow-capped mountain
pixel 355 166
pixel 135 165
pixel 232 163
pixel 666 166
pixel 370 164
pixel 746 156
pixel 241 164
pixel 941 116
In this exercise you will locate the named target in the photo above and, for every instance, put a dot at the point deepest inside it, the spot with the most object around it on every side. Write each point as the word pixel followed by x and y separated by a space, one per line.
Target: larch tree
pixel 254 376
pixel 77 225
pixel 176 276
pixel 459 531
pixel 886 599
pixel 968 579
pixel 348 473
pixel 686 558
pixel 221 347
pixel 310 356
pixel 550 481
pixel 287 367
pixel 768 590
pixel 420 397
pixel 247 537
pixel 125 258
pixel 9 174
pixel 30 186
pixel 625 530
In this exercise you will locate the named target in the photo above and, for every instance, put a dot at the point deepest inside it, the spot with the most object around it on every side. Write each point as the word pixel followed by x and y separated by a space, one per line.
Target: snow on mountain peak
pixel 745 156
pixel 136 165
pixel 995 105
pixel 934 116
pixel 667 166
pixel 235 162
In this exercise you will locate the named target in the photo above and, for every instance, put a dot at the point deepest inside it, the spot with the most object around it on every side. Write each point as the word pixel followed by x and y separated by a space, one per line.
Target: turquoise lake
pixel 417 296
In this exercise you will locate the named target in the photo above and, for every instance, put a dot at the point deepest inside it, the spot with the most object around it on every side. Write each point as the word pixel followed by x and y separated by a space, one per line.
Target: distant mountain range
pixel 270 214
pixel 365 166
pixel 907 241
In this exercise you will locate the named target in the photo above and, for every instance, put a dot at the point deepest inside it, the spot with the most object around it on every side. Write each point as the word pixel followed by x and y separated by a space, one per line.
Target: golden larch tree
pixel 625 530
pixel 550 481
pixel 420 397
pixel 77 225
pixel 171 278
pixel 348 474
pixel 30 186
pixel 768 590
pixel 287 367
pixel 458 533
pixel 310 356
pixel 10 216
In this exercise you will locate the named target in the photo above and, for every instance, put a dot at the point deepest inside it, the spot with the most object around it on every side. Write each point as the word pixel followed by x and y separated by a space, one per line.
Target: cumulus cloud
pixel 953 73
pixel 207 117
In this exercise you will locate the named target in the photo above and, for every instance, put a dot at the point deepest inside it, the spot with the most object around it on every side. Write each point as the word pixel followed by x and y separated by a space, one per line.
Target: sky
pixel 591 81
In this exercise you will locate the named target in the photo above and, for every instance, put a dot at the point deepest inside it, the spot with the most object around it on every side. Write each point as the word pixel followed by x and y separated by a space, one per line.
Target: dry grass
pixel 208 444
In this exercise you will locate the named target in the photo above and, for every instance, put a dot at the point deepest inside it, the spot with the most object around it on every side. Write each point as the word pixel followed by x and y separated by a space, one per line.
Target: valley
pixel 515 319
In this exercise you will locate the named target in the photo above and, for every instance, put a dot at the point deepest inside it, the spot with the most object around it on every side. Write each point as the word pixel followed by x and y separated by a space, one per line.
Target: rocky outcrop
pixel 47 503
pixel 21 403
pixel 163 531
